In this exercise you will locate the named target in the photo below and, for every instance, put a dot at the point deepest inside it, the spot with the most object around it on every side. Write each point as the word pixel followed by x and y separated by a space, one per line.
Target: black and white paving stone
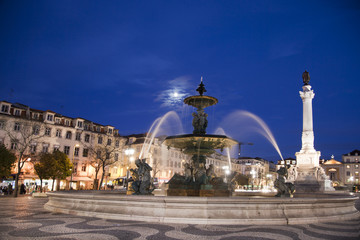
pixel 25 218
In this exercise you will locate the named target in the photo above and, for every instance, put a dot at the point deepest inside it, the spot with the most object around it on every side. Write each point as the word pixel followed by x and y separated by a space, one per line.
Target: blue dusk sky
pixel 126 63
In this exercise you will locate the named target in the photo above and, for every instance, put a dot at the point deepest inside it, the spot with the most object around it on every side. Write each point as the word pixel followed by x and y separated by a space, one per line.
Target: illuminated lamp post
pixel 129 152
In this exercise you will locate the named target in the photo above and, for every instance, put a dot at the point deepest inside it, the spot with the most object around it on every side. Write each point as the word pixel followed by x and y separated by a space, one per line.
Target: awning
pixel 75 179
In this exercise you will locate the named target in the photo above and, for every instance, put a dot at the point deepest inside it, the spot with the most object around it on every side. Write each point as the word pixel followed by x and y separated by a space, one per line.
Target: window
pixel 98 154
pixel 110 131
pixel 68 135
pixel 35 116
pixel 76 152
pixel 87 137
pixel 85 152
pixel 45 148
pixel 56 148
pixel 117 143
pixel 36 130
pixel 116 156
pixel 98 129
pixel 57 120
pixel 83 167
pixel 100 140
pixel 347 166
pixel 5 108
pixel 58 133
pixel 80 124
pixel 67 122
pixel 356 166
pixel 17 112
pixel 67 150
pixel 86 126
pixel 78 136
pixel 17 127
pixel 33 148
pixel 50 117
pixel 47 131
pixel 107 155
pixel 347 173
pixel 13 146
pixel 2 124
pixel 109 142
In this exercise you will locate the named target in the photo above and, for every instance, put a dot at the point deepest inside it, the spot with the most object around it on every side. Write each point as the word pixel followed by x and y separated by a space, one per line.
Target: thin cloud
pixel 174 95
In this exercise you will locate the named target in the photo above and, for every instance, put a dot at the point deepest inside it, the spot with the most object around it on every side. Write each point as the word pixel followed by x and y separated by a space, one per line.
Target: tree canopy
pixel 7 160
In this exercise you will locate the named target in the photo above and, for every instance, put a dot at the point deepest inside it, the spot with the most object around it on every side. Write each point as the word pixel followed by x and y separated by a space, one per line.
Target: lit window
pixel 347 166
pixel 76 152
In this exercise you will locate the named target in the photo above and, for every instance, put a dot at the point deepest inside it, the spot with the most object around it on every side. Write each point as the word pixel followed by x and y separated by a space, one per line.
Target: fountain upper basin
pixel 200 144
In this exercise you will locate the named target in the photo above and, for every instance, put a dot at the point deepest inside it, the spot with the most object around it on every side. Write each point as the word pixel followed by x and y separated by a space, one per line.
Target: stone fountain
pixel 178 207
pixel 199 180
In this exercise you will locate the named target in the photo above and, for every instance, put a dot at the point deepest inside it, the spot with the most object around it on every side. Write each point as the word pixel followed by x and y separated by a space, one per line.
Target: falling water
pixel 263 130
pixel 155 129
pixel 227 150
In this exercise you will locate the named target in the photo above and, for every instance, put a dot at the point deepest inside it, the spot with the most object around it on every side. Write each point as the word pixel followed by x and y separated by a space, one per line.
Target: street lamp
pixel 253 173
pixel 129 152
pixel 72 169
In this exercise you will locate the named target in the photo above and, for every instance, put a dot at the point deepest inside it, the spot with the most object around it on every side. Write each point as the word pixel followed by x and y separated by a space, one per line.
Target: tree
pixel 23 133
pixel 44 167
pixel 62 166
pixel 7 160
pixel 103 154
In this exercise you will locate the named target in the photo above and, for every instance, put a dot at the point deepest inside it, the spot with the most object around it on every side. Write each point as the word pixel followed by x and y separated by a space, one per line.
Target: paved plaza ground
pixel 25 218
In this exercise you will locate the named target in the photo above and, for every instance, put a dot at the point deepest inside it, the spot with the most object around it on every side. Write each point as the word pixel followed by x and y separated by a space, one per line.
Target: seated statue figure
pixel 284 189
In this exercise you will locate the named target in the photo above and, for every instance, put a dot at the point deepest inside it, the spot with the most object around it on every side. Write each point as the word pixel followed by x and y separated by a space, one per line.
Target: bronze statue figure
pixel 306 78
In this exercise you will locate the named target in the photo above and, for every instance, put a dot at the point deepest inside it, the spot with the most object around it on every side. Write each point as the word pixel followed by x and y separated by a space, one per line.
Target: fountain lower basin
pixel 204 210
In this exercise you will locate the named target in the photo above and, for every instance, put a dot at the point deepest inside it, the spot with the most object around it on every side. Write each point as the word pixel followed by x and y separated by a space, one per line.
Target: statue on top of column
pixel 306 78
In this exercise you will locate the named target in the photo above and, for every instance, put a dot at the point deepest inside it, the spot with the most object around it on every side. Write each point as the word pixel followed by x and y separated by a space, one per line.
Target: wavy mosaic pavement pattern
pixel 25 218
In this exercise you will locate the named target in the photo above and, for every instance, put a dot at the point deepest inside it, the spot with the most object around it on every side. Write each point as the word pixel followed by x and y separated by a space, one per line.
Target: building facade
pixel 47 131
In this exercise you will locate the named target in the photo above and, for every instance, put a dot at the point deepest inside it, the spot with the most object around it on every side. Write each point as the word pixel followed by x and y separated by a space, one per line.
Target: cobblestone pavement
pixel 25 218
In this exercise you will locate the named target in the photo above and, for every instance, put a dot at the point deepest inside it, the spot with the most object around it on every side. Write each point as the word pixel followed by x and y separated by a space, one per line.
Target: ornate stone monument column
pixel 310 176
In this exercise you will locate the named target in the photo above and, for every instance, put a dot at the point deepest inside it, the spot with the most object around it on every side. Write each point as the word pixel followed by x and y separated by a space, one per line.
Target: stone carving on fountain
pixel 142 182
pixel 197 179
pixel 285 189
